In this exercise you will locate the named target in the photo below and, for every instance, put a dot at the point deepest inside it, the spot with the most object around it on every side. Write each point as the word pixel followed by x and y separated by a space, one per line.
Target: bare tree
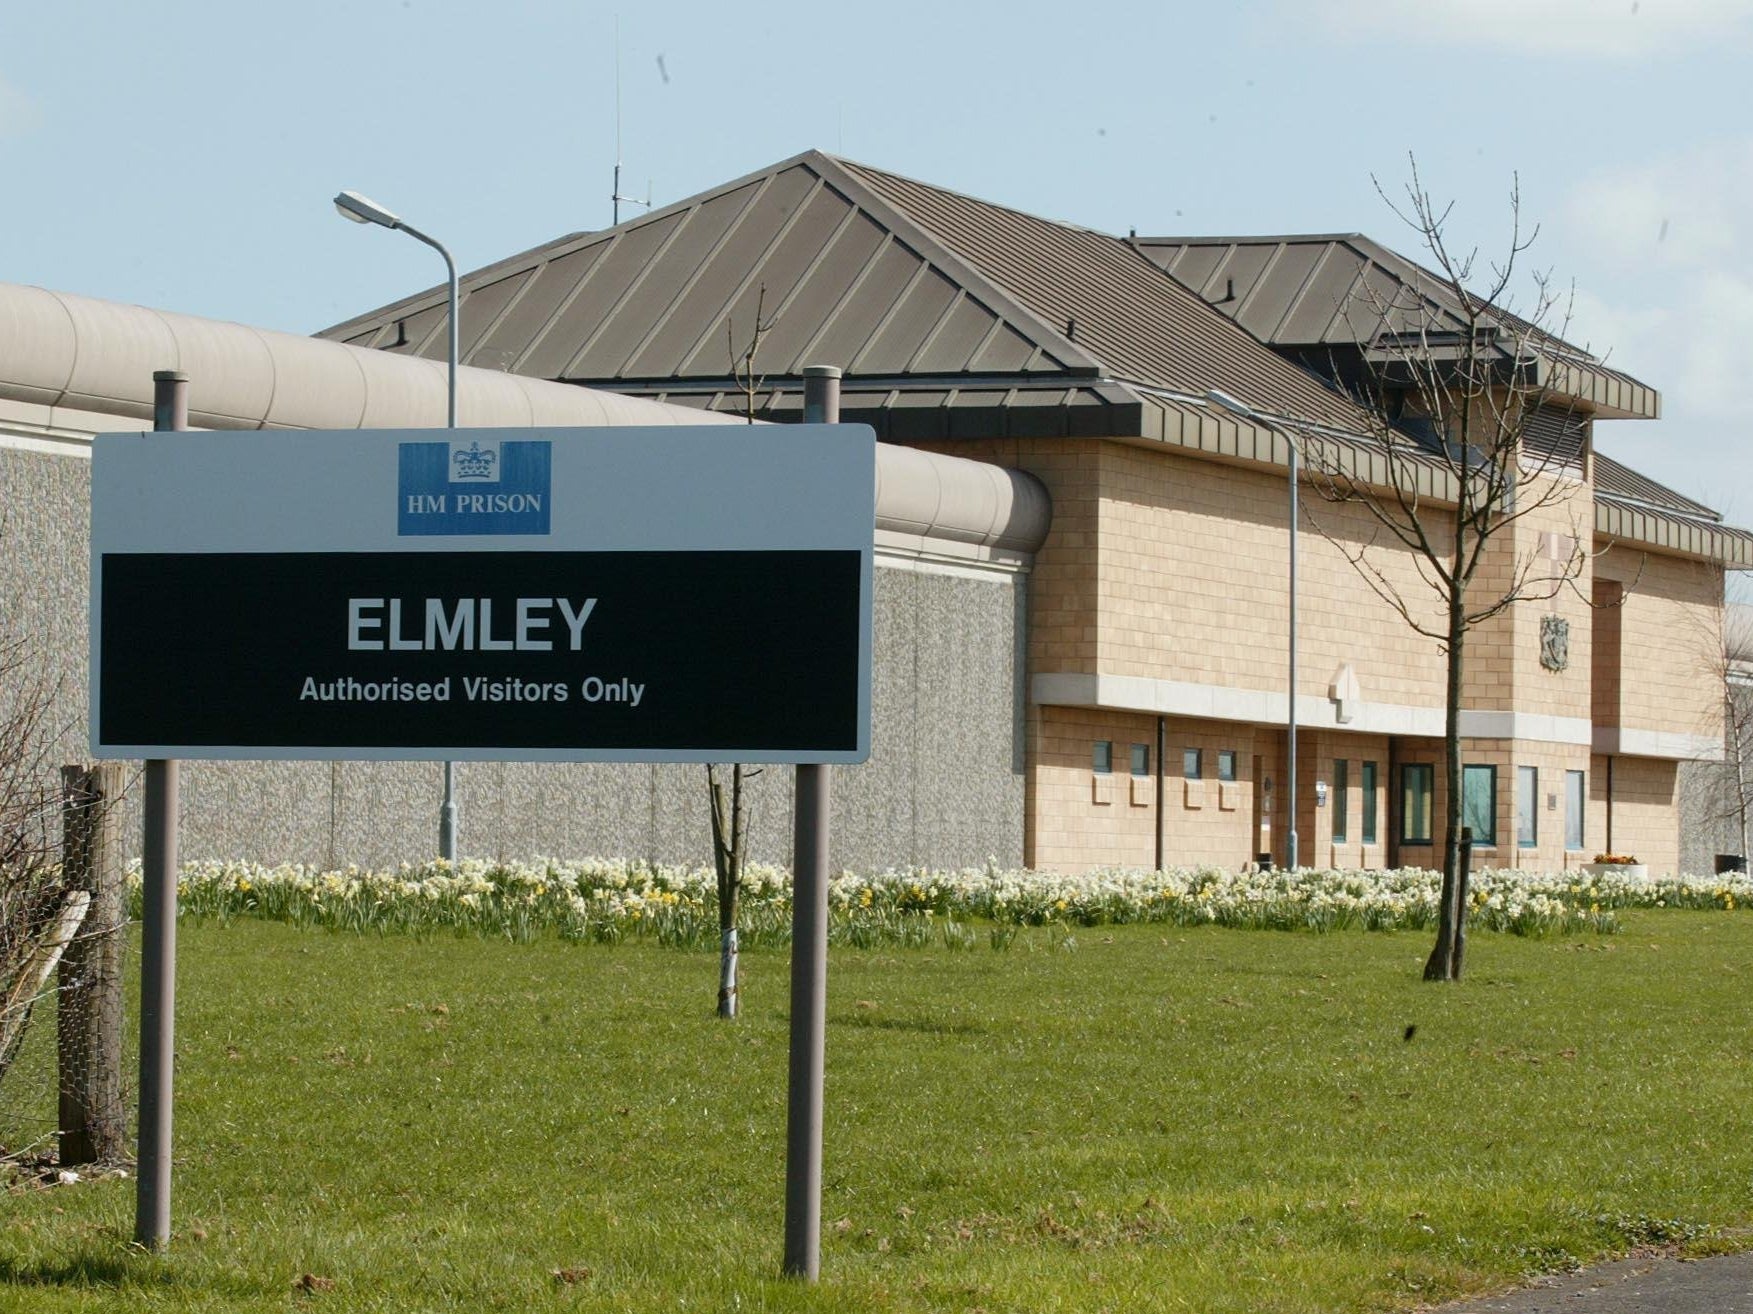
pixel 1728 799
pixel 41 906
pixel 1473 438
pixel 730 815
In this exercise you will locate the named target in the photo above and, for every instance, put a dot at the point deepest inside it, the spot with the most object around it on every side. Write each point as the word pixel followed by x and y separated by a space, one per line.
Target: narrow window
pixel 1226 764
pixel 1141 759
pixel 1575 792
pixel 1103 758
pixel 1369 802
pixel 1192 763
pixel 1479 802
pixel 1417 781
pixel 1527 807
pixel 1341 785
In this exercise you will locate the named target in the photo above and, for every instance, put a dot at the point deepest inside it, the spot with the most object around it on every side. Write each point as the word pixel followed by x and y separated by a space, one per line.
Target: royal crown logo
pixel 490 486
pixel 474 463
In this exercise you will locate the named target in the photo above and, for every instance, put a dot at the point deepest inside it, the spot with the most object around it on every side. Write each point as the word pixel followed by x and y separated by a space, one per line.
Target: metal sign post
pixel 809 958
pixel 517 595
pixel 158 950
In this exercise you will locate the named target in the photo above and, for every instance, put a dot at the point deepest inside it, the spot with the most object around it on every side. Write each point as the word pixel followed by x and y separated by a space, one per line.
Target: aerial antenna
pixel 615 197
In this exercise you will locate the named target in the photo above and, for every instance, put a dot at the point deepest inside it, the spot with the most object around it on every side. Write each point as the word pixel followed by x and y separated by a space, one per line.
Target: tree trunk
pixel 1444 963
pixel 1465 879
pixel 730 829
pixel 88 1017
pixel 727 973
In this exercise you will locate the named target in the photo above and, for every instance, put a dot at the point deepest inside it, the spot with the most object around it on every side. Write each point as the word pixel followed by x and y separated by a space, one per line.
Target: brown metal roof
pixel 1710 540
pixel 1621 481
pixel 894 280
pixel 1100 292
pixel 1343 291
pixel 957 317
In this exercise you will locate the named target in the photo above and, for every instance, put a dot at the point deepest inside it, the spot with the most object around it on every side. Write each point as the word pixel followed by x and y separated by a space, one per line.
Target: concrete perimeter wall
pixel 944 785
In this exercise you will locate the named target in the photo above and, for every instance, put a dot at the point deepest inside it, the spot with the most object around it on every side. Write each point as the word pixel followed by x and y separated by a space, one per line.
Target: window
pixel 1226 764
pixel 1574 794
pixel 1103 758
pixel 1341 813
pixel 1141 759
pixel 1192 763
pixel 1417 782
pixel 1369 802
pixel 1527 807
pixel 1479 802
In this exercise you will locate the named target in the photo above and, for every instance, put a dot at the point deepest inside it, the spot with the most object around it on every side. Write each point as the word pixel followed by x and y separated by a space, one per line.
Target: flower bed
pixel 608 899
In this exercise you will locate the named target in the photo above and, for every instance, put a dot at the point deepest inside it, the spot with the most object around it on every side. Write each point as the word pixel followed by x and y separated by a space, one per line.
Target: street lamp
pixel 1253 416
pixel 363 210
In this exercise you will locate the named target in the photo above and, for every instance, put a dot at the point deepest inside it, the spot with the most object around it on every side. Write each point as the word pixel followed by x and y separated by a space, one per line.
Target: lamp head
pixel 1220 398
pixel 364 210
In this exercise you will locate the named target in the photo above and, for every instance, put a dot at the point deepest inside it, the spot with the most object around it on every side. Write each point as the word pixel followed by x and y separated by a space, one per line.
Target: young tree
pixel 730 815
pixel 41 906
pixel 1728 794
pixel 1474 444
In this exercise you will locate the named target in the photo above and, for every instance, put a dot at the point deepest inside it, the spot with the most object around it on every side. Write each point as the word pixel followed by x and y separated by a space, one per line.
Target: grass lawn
pixel 1157 1119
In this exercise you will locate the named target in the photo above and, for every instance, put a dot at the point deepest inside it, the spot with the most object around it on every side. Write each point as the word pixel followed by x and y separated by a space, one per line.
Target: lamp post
pixel 362 210
pixel 1248 413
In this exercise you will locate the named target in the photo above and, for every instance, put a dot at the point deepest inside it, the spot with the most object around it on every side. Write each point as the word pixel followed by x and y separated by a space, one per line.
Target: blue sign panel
pixel 473 487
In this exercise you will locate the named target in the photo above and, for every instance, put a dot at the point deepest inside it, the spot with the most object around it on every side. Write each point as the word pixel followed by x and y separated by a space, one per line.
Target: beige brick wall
pixel 1083 820
pixel 1169 566
pixel 1549 762
pixel 1528 544
pixel 1669 639
pixel 1317 845
pixel 1193 583
pixel 1643 811
pixel 1606 648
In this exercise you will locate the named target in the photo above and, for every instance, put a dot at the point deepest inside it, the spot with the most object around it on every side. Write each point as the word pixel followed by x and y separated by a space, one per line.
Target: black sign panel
pixel 618 655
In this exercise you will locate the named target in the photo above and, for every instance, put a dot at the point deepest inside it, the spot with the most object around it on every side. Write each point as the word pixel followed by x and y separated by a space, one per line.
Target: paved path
pixel 1645 1284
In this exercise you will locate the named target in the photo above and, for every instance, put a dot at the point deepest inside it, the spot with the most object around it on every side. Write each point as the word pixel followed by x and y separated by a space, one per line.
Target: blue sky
pixel 182 155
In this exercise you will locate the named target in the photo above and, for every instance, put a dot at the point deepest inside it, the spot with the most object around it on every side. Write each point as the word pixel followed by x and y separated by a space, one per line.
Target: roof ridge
pixel 965 271
pixel 556 247
pixel 1192 302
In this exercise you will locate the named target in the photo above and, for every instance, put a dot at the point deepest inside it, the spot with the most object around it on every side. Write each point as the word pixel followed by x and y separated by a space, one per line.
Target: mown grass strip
pixel 1160 1118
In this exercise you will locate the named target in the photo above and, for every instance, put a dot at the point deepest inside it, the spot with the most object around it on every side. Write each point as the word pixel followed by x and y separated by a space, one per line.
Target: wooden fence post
pixel 88 1013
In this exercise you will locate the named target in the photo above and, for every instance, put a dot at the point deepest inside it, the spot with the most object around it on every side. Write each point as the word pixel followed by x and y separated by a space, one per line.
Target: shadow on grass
pixel 921 1026
pixel 93 1269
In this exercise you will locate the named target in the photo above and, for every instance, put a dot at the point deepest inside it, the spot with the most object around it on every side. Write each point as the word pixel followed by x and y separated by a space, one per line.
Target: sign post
pixel 684 594
pixel 158 934
pixel 809 959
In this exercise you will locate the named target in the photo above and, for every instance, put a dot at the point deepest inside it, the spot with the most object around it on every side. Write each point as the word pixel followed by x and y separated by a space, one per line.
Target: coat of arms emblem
pixel 1554 642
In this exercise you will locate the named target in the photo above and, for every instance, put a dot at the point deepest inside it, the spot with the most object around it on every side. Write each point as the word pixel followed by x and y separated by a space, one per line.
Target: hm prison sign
pixel 631 594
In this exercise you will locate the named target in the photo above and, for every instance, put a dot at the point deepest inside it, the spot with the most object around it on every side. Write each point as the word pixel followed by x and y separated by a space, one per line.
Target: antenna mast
pixel 615 197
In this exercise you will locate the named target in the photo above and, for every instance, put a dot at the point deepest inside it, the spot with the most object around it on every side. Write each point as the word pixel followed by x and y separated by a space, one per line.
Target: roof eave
pixel 1721 545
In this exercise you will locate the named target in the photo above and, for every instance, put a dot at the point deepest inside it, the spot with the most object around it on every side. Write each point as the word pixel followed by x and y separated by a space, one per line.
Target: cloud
pixel 1684 211
pixel 18 112
pixel 1600 29
pixel 1714 359
pixel 1668 294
